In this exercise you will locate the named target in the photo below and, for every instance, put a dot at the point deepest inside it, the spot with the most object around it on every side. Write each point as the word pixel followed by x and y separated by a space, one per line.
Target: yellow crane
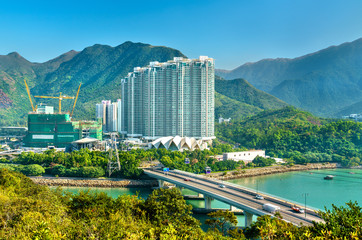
pixel 75 101
pixel 27 89
pixel 60 99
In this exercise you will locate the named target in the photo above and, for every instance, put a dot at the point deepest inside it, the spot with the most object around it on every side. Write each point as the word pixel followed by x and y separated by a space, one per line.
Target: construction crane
pixel 31 102
pixel 75 101
pixel 60 99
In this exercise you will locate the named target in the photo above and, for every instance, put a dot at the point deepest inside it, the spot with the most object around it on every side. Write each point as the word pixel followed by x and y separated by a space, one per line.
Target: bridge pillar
pixel 208 202
pixel 161 183
pixel 248 218
pixel 232 208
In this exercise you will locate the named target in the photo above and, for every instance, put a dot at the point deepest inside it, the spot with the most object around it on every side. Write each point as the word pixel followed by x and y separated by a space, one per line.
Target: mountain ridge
pixel 332 74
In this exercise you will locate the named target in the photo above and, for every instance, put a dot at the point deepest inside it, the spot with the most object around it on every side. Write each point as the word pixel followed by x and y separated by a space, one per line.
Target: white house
pixel 246 156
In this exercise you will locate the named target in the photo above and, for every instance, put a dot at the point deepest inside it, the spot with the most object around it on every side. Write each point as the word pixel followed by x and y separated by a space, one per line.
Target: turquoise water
pixel 291 186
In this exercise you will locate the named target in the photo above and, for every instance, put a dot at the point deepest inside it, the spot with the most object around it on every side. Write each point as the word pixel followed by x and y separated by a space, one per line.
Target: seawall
pixel 93 182
pixel 252 172
pixel 126 183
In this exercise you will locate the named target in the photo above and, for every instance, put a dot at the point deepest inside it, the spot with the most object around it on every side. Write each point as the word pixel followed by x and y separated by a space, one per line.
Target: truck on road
pixel 270 208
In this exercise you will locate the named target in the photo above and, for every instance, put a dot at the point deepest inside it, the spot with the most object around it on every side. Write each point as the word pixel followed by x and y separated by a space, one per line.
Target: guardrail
pixel 267 196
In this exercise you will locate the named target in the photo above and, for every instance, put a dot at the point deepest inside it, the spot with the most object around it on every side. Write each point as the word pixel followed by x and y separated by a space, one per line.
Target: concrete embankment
pixel 252 172
pixel 86 182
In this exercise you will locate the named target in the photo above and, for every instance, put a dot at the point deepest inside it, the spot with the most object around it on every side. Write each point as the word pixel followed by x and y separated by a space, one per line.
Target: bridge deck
pixel 240 198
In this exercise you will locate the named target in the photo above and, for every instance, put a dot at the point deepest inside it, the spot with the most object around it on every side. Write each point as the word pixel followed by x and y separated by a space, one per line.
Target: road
pixel 236 196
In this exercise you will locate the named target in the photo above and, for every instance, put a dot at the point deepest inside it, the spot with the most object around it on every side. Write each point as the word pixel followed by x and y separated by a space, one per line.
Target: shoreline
pixel 253 172
pixel 128 183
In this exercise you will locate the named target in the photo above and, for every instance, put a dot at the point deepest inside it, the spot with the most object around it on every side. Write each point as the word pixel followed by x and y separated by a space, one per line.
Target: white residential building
pixel 109 112
pixel 169 99
pixel 246 156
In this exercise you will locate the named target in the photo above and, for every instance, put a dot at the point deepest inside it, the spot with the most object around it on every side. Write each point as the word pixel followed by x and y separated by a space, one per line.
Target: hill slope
pixel 99 67
pixel 297 135
pixel 323 82
pixel 242 91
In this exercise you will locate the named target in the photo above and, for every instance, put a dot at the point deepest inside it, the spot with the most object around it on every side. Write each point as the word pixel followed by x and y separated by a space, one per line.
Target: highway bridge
pixel 234 195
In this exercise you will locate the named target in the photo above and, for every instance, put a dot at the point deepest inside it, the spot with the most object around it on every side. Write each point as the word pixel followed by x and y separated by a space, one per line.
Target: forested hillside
pixel 100 69
pixel 298 136
pixel 30 211
pixel 324 82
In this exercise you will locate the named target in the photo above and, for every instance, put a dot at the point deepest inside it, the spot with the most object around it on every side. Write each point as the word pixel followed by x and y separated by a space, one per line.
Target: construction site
pixel 47 128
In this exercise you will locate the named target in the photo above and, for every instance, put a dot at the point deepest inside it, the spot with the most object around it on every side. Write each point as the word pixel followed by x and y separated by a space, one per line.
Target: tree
pixel 32 170
pixel 166 206
pixel 340 222
pixel 221 221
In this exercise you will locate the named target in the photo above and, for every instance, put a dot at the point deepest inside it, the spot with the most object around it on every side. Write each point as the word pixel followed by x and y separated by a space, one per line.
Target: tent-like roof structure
pixel 178 143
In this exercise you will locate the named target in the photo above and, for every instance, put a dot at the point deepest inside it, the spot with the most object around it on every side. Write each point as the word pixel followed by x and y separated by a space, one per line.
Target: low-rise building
pixel 178 143
pixel 246 156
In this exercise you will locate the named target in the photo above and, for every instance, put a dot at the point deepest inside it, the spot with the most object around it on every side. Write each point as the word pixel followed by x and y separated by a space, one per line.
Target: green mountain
pixel 242 91
pixel 297 135
pixel 229 108
pixel 324 82
pixel 100 69
pixel 237 99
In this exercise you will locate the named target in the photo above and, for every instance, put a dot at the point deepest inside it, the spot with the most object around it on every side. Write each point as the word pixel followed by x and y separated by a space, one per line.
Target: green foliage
pixel 30 211
pixel 263 162
pixel 63 74
pixel 31 170
pixel 198 161
pixel 28 170
pixel 341 222
pixel 222 221
pixel 88 172
pixel 230 108
pixel 323 82
pixel 167 206
pixel 242 91
pixel 129 166
pixel 299 136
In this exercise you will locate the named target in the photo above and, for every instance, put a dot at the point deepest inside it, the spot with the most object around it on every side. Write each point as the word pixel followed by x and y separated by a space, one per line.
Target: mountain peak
pixel 15 55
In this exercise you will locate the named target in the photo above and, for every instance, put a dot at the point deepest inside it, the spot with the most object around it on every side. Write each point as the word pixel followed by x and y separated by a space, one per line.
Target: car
pixel 297 209
pixel 222 186
pixel 260 197
pixel 187 179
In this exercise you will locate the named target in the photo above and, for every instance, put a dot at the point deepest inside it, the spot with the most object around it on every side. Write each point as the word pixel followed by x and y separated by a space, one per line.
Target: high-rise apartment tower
pixel 169 99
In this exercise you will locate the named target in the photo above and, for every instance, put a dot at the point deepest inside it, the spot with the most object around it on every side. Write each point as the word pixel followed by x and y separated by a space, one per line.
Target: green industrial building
pixel 53 129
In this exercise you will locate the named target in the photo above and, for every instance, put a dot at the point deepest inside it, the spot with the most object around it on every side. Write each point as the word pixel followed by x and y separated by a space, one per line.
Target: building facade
pixel 170 99
pixel 58 130
pixel 110 113
pixel 246 156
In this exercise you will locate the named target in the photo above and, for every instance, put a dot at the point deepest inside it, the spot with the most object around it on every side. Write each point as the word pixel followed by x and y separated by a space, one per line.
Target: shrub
pixel 92 172
pixel 31 170
pixel 59 170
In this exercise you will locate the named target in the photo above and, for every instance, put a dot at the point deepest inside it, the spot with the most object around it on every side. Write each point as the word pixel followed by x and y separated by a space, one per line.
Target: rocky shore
pixel 271 170
pixel 126 183
pixel 93 182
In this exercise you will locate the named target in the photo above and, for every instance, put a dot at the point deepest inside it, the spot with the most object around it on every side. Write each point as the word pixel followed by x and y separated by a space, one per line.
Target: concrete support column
pixel 200 195
pixel 248 218
pixel 161 183
pixel 208 202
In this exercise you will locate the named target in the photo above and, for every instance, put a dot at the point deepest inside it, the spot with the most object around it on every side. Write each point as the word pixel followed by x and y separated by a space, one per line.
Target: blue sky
pixel 232 32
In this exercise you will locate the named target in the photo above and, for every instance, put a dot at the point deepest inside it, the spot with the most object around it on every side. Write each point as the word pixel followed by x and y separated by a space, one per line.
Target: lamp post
pixel 305 204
